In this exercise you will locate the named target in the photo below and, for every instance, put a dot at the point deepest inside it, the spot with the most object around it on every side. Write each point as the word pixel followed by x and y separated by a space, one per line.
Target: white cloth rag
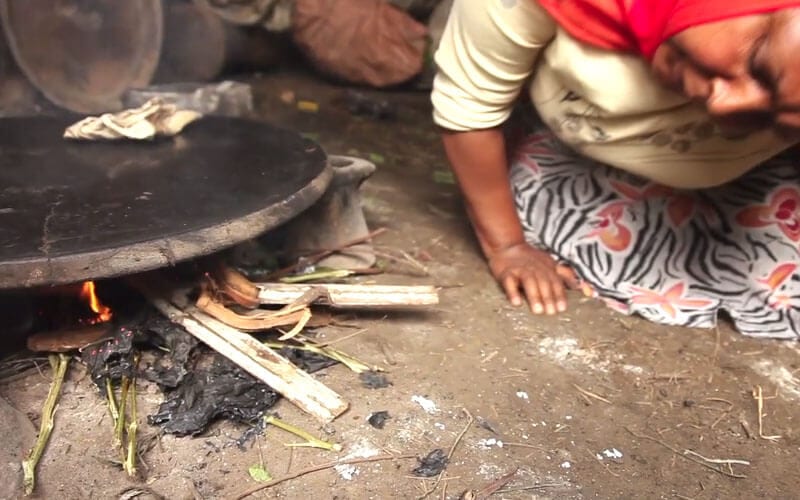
pixel 153 118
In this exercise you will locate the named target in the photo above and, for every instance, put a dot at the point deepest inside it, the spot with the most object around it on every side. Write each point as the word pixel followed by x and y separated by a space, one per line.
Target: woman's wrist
pixel 497 243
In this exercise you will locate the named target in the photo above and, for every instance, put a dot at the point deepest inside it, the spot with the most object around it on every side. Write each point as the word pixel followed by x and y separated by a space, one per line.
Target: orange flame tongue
pixel 103 313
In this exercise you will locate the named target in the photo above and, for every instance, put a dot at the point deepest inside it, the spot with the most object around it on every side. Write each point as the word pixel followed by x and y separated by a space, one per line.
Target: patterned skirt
pixel 672 256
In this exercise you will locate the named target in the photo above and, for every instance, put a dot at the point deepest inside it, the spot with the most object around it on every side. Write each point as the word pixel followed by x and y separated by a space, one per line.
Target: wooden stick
pixel 258 360
pixel 705 464
pixel 758 395
pixel 725 461
pixel 590 394
pixel 317 468
pixel 350 296
pixel 496 485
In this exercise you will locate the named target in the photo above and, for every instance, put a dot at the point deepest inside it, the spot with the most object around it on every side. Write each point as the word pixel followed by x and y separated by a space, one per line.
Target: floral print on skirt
pixel 672 256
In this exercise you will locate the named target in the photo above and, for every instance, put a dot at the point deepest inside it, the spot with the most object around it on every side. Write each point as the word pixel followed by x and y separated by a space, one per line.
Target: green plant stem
pixel 325 274
pixel 60 364
pixel 119 424
pixel 329 352
pixel 129 463
pixel 113 409
pixel 311 441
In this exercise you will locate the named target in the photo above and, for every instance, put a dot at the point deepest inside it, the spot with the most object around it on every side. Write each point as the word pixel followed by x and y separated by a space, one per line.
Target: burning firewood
pixel 212 321
pixel 249 354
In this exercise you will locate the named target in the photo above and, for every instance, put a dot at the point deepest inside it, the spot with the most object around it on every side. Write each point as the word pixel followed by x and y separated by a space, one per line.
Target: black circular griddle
pixel 72 211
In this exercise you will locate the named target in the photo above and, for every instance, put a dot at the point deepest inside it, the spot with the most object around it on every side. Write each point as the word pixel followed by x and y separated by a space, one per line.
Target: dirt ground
pixel 589 404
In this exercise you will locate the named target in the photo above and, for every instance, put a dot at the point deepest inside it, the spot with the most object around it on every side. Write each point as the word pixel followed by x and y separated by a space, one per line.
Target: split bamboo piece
pixel 344 296
pixel 350 296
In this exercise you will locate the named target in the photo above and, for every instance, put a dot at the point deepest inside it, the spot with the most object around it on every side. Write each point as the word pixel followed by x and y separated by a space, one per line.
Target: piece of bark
pixel 236 286
pixel 67 340
pixel 254 320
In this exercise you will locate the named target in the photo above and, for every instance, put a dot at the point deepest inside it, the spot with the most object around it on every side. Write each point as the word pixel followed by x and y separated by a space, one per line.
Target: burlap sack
pixel 360 41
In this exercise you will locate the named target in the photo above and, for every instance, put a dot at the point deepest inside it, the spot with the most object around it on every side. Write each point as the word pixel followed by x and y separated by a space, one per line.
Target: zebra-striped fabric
pixel 674 257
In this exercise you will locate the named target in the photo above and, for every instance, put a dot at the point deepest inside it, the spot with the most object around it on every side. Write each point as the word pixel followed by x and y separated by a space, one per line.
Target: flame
pixel 103 313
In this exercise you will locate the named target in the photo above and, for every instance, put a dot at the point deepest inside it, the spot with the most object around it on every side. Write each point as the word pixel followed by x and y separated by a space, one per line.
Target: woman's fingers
pixel 568 275
pixel 533 294
pixel 559 292
pixel 541 282
pixel 551 289
pixel 544 291
pixel 511 286
pixel 524 270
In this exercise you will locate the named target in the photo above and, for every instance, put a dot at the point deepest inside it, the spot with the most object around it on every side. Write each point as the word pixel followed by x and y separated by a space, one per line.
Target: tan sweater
pixel 604 104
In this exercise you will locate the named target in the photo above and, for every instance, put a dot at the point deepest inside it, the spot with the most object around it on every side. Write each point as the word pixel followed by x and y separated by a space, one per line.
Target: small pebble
pixel 374 380
pixel 378 419
pixel 612 453
pixel 426 404
pixel 488 443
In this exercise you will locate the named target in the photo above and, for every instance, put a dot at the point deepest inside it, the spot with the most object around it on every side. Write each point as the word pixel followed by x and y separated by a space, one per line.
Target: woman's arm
pixel 487 52
pixel 478 159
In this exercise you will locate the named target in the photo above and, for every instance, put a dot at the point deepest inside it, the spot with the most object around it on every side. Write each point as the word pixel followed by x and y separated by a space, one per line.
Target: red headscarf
pixel 640 26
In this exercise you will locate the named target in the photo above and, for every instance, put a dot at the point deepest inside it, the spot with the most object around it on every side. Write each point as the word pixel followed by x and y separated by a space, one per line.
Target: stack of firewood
pixel 230 308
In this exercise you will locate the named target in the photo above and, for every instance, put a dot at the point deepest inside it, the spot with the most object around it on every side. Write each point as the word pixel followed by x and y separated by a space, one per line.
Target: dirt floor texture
pixel 588 404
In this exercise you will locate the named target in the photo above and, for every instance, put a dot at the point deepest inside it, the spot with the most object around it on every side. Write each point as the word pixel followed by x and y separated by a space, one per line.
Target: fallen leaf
pixel 259 474
pixel 308 106
pixel 443 177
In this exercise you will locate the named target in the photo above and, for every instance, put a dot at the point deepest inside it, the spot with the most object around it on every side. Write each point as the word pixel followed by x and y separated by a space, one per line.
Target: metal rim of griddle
pixel 152 254
pixel 61 271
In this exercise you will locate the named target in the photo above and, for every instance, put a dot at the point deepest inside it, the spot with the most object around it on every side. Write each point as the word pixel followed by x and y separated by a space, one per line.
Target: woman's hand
pixel 523 268
pixel 478 159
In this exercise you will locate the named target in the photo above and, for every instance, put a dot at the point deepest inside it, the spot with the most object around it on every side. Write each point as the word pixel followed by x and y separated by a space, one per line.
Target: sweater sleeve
pixel 488 50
